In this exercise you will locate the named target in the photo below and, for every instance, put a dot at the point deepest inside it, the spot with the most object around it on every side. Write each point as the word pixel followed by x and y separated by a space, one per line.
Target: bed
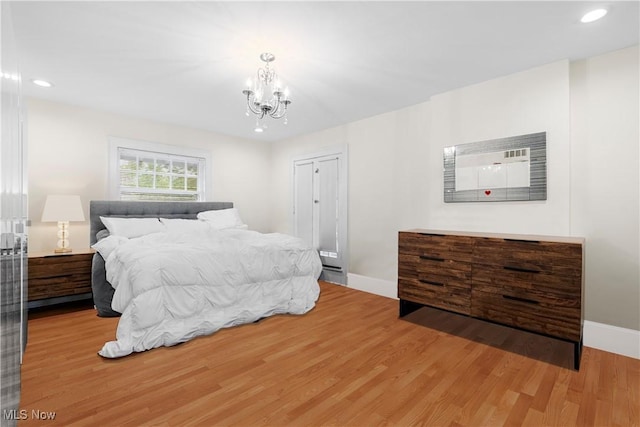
pixel 191 277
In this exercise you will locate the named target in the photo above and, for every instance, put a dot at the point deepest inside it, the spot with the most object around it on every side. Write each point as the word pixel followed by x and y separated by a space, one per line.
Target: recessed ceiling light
pixel 42 83
pixel 594 15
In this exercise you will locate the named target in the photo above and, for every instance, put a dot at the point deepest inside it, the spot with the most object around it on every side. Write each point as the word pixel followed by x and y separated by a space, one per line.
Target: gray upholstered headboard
pixel 136 209
pixel 101 289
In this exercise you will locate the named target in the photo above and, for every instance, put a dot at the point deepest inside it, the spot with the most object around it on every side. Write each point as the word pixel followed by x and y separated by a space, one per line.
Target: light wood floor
pixel 349 362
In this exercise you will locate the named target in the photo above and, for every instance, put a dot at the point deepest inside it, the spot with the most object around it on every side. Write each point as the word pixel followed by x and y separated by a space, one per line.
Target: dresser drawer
pixel 527 313
pixel 563 289
pixel 412 266
pixel 45 267
pixel 58 286
pixel 435 246
pixel 441 292
pixel 531 295
pixel 564 259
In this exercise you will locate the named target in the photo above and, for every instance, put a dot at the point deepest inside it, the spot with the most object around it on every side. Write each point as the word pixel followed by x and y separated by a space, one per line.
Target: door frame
pixel 334 275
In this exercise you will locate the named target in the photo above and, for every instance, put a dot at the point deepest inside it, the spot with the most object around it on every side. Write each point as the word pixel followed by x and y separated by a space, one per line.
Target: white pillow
pixel 108 244
pixel 180 225
pixel 132 227
pixel 223 218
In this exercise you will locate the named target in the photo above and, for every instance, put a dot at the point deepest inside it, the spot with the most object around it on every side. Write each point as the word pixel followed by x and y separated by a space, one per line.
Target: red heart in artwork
pixel 487 192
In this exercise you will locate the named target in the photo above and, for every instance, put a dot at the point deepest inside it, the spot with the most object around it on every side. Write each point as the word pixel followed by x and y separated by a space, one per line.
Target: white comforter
pixel 171 288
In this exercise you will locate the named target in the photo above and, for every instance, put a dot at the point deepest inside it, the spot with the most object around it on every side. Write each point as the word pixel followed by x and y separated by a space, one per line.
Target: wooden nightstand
pixel 56 278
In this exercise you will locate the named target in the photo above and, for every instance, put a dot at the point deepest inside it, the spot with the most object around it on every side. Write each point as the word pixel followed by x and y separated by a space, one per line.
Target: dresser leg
pixel 577 353
pixel 407 307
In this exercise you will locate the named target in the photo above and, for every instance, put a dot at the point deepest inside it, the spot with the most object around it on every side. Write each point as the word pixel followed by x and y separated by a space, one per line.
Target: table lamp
pixel 62 209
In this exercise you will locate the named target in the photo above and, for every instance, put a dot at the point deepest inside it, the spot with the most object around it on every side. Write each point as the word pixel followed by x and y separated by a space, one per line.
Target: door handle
pixel 316 201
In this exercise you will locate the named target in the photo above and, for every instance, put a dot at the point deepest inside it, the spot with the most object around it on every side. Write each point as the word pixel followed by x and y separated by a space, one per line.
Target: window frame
pixel 117 143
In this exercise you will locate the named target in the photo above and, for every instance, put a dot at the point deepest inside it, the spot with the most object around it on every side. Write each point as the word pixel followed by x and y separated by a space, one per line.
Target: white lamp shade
pixel 62 208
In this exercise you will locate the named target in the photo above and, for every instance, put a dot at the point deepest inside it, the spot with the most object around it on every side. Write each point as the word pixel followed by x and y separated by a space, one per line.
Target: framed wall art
pixel 497 170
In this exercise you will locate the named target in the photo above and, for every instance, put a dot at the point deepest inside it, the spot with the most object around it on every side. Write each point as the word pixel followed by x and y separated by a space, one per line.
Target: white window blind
pixel 150 175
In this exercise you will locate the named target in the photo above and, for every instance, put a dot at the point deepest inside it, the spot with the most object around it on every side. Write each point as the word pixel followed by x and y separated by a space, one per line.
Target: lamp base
pixel 63 236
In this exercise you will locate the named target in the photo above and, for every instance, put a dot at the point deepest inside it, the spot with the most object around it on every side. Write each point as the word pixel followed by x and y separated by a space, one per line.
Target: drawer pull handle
pixel 431 234
pixel 529 301
pixel 429 282
pixel 522 270
pixel 431 258
pixel 521 241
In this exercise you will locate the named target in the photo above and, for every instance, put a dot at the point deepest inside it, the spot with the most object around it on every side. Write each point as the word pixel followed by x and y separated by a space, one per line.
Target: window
pixel 149 171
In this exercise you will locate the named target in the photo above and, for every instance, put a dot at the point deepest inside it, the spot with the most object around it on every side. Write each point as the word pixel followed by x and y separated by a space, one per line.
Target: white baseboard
pixel 613 339
pixel 385 288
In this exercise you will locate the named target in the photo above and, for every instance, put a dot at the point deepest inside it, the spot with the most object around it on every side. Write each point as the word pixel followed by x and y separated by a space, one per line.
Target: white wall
pixel 384 153
pixel 395 172
pixel 532 101
pixel 395 165
pixel 605 183
pixel 68 154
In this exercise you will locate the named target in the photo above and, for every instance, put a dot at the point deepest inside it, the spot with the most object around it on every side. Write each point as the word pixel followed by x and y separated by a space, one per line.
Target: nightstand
pixel 56 278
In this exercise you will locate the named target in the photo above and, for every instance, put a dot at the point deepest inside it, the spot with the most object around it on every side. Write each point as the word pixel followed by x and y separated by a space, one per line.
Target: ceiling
pixel 186 63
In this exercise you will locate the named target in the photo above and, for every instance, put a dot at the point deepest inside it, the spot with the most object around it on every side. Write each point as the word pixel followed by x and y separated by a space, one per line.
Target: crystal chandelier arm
pixel 276 108
pixel 250 106
pixel 278 113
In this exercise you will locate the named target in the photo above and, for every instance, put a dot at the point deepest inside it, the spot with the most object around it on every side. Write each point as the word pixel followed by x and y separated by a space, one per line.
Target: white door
pixel 303 201
pixel 319 211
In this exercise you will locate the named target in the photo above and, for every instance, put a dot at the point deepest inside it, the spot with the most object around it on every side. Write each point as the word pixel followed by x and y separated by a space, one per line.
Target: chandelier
pixel 265 96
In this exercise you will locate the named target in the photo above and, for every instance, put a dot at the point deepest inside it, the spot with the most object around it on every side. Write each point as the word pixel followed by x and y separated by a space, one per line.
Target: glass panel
pixel 145 164
pixel 192 184
pixel 177 183
pixel 163 165
pixel 163 181
pixel 128 179
pixel 192 168
pixel 145 180
pixel 178 167
pixel 128 163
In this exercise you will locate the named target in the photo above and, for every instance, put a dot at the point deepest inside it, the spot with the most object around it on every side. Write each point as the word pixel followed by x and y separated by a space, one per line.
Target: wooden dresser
pixel 55 278
pixel 534 283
